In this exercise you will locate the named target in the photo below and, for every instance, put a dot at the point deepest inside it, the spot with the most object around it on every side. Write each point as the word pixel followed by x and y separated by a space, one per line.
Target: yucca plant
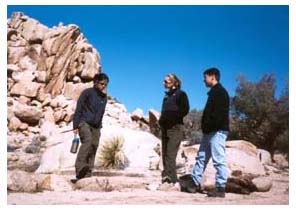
pixel 112 155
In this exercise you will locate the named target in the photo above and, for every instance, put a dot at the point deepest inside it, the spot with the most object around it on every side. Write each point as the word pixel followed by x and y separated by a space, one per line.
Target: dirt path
pixel 278 195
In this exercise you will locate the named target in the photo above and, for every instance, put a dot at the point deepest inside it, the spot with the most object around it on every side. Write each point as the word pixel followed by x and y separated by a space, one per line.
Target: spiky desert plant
pixel 112 155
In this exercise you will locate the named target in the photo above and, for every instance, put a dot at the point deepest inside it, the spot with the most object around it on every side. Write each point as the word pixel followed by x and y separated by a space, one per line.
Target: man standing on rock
pixel 87 123
pixel 215 128
pixel 175 107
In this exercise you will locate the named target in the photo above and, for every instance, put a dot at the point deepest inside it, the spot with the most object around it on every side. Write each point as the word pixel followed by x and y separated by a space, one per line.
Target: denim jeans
pixel 212 146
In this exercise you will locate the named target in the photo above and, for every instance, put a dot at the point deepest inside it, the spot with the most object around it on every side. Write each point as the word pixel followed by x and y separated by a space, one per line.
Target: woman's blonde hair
pixel 177 82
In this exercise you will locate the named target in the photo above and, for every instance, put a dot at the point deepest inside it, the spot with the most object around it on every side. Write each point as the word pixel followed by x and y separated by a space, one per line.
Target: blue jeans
pixel 212 146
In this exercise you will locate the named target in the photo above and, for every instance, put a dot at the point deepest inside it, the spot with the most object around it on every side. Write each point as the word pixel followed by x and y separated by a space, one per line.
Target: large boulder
pixel 137 114
pixel 33 31
pixel 138 148
pixel 58 183
pixel 28 114
pixel 24 76
pixel 153 122
pixel 94 184
pixel 57 156
pixel 21 181
pixel 263 184
pixel 23 161
pixel 14 124
pixel 25 89
pixel 241 156
pixel 107 183
pixel 264 156
pixel 73 90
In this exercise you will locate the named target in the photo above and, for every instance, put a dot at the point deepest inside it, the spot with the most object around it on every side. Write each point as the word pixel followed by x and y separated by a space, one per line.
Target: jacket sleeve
pixel 79 107
pixel 183 104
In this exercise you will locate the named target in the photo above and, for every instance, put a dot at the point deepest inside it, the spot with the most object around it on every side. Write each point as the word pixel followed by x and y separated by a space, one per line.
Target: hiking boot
pixel 190 186
pixel 73 181
pixel 217 192
pixel 82 172
pixel 88 174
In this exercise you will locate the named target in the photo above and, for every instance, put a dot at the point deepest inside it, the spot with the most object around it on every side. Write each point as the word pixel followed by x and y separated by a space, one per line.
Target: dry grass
pixel 112 155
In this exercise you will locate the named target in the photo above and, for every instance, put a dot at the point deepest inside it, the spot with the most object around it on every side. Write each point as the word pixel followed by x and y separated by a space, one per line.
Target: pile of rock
pixel 47 70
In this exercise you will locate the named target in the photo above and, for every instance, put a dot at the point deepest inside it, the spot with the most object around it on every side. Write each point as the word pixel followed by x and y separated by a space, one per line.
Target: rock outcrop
pixel 48 58
pixel 47 70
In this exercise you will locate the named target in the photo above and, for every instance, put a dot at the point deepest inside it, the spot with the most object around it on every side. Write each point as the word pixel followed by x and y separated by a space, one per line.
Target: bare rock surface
pixel 278 195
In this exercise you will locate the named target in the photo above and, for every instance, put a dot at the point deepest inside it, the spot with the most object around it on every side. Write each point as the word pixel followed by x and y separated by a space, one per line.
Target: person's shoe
pixel 73 181
pixel 166 179
pixel 217 192
pixel 190 186
pixel 82 172
pixel 88 174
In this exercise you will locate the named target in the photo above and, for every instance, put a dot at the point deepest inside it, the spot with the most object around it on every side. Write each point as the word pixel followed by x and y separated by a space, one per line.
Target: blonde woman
pixel 175 107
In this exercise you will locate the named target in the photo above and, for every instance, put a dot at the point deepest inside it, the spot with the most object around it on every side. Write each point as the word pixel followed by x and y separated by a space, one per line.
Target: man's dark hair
pixel 213 71
pixel 100 77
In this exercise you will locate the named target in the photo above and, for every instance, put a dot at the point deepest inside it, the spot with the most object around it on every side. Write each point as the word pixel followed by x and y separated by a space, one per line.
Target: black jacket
pixel 90 108
pixel 175 107
pixel 216 113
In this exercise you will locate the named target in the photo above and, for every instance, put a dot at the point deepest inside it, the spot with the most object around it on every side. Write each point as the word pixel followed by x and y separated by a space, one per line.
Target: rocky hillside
pixel 47 70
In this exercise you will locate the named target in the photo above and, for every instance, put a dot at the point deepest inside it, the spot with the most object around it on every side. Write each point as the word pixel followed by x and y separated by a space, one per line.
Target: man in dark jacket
pixel 87 123
pixel 215 128
pixel 175 107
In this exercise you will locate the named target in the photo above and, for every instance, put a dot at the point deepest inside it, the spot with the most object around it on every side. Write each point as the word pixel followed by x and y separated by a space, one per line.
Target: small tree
pixel 260 117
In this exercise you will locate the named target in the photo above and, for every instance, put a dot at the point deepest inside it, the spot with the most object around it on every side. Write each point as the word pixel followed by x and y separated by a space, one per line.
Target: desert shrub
pixel 112 154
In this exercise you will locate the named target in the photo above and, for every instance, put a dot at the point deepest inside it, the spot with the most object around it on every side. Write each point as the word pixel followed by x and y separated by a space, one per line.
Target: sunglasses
pixel 167 82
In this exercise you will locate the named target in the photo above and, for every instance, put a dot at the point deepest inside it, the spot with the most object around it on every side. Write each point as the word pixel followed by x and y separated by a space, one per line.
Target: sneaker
pixel 217 192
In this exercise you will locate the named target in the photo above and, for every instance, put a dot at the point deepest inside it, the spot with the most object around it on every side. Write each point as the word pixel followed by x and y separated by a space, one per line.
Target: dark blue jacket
pixel 90 108
pixel 216 113
pixel 175 107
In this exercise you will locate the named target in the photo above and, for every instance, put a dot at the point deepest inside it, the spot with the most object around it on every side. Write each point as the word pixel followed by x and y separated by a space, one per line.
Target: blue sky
pixel 139 45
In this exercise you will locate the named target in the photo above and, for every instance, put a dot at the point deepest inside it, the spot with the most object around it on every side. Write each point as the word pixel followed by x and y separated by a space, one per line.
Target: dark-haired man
pixel 87 123
pixel 215 128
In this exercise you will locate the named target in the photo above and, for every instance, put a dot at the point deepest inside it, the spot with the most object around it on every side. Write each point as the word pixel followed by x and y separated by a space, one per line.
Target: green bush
pixel 259 116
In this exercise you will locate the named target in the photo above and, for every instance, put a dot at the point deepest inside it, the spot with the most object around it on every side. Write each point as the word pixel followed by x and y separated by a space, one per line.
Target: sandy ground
pixel 278 195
